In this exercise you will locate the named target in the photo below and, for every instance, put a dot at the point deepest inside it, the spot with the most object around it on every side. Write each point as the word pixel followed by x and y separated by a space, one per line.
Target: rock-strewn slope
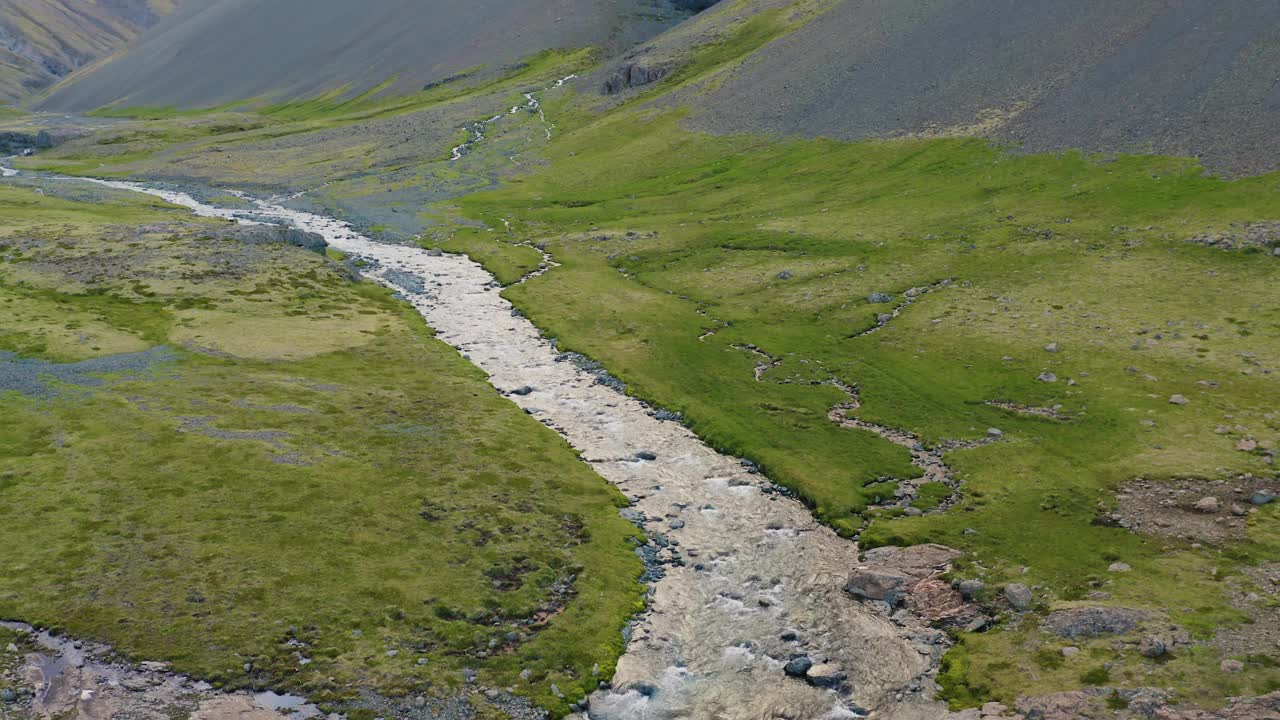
pixel 231 50
pixel 1184 77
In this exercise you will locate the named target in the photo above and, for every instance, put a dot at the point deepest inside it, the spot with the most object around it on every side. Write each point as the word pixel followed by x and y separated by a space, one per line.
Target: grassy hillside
pixel 236 459
pixel 735 281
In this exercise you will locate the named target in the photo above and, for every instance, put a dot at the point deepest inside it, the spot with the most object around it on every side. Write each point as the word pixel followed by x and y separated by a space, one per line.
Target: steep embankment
pixel 1179 78
pixel 42 41
pixel 293 48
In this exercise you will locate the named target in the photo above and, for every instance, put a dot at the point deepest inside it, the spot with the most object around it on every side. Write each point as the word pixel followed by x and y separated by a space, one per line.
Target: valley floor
pixel 1063 367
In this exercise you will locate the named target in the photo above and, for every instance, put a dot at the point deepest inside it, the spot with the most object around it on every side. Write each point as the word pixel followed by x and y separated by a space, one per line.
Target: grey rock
pixel 1119 567
pixel 1208 505
pixel 799 666
pixel 274 235
pixel 871 584
pixel 676 524
pixel 632 75
pixel 1178 400
pixel 1153 646
pixel 435 252
pixel 825 675
pixel 646 455
pixel 1047 377
pixel 1070 651
pixel 995 433
pixel 8 695
pixel 785 275
pixel 1262 497
pixel 970 589
pixel 1018 595
pixel 522 391
pixel 1051 347
pixel 1232 666
pixel 1083 622
pixel 879 297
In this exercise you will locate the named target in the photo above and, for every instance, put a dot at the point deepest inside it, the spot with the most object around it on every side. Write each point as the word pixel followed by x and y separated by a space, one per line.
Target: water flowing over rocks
pixel 67 678
pixel 754 582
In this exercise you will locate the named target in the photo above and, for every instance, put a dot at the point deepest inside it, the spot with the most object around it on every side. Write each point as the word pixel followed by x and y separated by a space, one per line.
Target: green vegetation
pixel 738 281
pixel 664 236
pixel 310 476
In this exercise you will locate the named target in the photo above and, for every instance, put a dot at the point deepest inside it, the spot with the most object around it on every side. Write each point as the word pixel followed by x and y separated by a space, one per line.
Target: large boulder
pixel 274 235
pixel 872 584
pixel 1084 622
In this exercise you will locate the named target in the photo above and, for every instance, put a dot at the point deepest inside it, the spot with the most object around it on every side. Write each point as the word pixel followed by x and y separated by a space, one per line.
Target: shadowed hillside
pixel 42 41
pixel 239 49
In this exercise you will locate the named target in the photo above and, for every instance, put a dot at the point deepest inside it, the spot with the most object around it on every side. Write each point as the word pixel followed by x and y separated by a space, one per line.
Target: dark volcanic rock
pixel 632 75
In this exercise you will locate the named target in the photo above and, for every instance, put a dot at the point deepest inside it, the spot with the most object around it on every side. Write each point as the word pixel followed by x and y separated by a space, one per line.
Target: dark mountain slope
pixel 42 41
pixel 238 49
pixel 1183 77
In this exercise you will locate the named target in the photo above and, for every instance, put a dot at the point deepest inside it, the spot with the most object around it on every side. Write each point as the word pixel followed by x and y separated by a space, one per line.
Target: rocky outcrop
pixel 274 235
pixel 632 75
pixel 1083 622
pixel 14 143
pixel 911 576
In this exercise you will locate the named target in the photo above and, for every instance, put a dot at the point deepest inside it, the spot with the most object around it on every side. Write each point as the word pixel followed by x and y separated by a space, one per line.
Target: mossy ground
pixel 312 476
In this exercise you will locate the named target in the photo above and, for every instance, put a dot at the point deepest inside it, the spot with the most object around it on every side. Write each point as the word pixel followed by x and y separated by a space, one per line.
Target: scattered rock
pixel 1208 505
pixel 1093 621
pixel 522 391
pixel 879 297
pixel 1051 347
pixel 1119 567
pixel 1178 400
pixel 798 667
pixel 435 252
pixel 1047 377
pixel 1232 666
pixel 995 433
pixel 8 695
pixel 971 589
pixel 1070 651
pixel 870 584
pixel 1018 595
pixel 1153 647
pixel 1262 497
pixel 994 709
pixel 826 675
pixel 785 275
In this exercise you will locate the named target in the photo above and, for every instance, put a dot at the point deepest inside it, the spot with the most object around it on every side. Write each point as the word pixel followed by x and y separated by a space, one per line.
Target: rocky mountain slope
pixel 1192 77
pixel 232 50
pixel 42 41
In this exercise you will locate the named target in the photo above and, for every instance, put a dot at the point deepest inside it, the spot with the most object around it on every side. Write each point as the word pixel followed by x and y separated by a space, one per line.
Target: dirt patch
pixel 1179 509
pixel 1256 594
